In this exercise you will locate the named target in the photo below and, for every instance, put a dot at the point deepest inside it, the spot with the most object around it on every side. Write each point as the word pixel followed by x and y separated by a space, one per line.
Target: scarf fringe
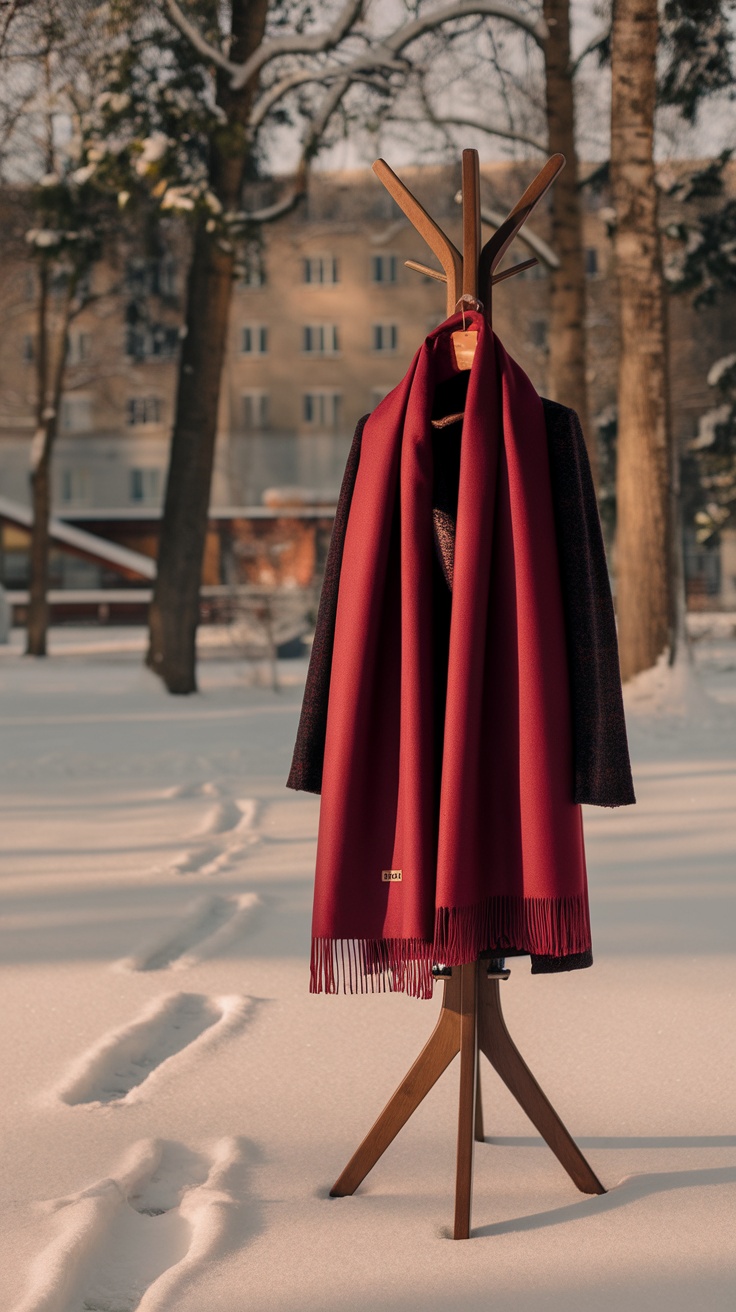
pixel 372 965
pixel 542 926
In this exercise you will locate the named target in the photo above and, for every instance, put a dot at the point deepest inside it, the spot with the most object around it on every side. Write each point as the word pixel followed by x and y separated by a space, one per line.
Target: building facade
pixel 324 322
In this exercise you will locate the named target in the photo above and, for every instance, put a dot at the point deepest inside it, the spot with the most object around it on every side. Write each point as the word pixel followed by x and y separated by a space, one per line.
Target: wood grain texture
pixel 496 1042
pixel 466 1110
pixel 442 1045
pixel 496 247
pixel 470 1020
pixel 479 1133
pixel 471 221
pixel 446 252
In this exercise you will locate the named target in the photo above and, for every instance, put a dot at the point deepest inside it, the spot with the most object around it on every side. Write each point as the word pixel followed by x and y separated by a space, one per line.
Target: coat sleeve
pixel 309 749
pixel 600 747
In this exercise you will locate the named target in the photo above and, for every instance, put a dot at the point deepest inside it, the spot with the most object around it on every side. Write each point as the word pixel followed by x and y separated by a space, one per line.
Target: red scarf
pixel 409 872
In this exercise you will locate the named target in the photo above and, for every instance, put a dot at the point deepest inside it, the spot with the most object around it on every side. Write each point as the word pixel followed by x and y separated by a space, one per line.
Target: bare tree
pixel 643 539
pixel 45 58
pixel 258 70
pixel 53 317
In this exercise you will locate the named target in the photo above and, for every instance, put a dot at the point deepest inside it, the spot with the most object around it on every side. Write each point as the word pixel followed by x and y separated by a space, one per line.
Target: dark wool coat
pixel 602 772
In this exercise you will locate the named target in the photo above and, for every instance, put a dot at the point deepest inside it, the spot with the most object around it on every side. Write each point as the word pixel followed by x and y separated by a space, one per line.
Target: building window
pixel 76 414
pixel 321 338
pixel 29 348
pixel 321 269
pixel 168 277
pixel 164 342
pixel 254 339
pixel 75 487
pixel 144 410
pixel 78 347
pixel 322 409
pixel 538 333
pixel 253 270
pixel 254 275
pixel 255 410
pixel 591 262
pixel 145 486
pixel 151 341
pixel 385 336
pixel 384 268
pixel 151 277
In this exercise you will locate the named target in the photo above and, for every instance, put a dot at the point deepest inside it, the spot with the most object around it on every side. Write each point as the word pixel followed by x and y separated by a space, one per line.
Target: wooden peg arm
pixel 438 242
pixel 496 247
pixel 497 277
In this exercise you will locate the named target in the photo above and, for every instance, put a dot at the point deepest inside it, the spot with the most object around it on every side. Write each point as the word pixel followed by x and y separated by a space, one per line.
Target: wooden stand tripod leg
pixel 468 1088
pixel 479 1135
pixel 496 1042
pixel 436 1055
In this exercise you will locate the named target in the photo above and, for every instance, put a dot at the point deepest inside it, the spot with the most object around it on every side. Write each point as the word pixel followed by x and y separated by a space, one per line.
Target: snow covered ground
pixel 175 1105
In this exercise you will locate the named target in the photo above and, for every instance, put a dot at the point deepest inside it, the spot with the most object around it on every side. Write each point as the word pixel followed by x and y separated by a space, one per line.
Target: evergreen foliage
pixel 696 50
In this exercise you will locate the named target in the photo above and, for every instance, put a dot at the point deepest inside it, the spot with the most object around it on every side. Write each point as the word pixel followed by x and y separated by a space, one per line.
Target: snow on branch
pixel 315 43
pixel 408 32
pixel 380 54
pixel 195 38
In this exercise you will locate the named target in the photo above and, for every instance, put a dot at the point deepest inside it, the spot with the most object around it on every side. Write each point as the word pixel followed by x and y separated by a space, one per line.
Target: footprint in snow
pixel 207 789
pixel 136 1239
pixel 229 826
pixel 207 927
pixel 172 1031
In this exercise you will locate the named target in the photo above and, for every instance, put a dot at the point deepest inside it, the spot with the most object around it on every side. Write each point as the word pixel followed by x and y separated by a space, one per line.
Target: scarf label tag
pixel 464 344
pixel 391 876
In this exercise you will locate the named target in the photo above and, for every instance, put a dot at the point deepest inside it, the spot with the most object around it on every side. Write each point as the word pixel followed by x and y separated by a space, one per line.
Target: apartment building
pixel 324 323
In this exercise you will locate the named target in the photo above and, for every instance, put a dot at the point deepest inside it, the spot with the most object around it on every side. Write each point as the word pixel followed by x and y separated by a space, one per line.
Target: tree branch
pixel 381 54
pixel 11 9
pixel 274 93
pixel 195 38
pixel 594 44
pixel 537 29
pixel 384 54
pixel 318 124
pixel 299 44
pixel 507 134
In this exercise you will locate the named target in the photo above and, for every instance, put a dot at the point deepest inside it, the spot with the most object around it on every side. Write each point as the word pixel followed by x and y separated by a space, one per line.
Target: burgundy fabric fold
pixel 416 863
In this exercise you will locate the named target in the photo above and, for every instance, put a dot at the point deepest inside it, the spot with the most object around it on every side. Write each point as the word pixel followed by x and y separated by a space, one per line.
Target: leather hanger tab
pixel 464 344
pixel 465 340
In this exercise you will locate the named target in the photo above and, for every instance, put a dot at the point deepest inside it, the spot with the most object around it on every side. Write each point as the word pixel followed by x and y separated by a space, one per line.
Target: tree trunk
pixel 643 542
pixel 174 612
pixel 49 382
pixel 38 610
pixel 567 364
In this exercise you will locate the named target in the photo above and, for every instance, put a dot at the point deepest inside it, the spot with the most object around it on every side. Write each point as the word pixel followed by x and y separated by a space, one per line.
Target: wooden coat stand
pixel 470 1019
